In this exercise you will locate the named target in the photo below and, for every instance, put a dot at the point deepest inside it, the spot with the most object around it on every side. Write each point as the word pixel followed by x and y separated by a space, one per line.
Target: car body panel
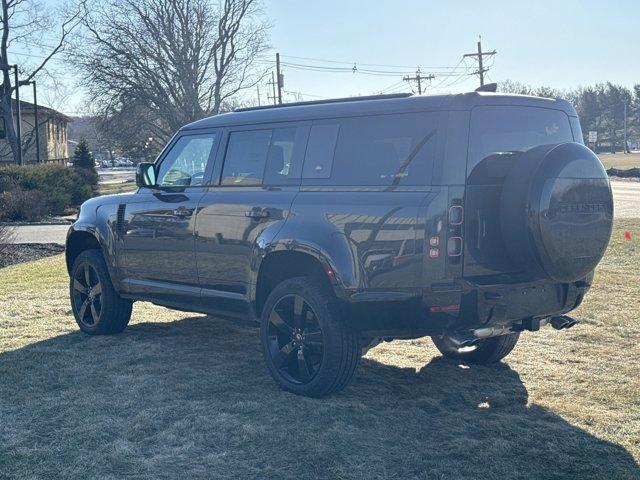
pixel 374 242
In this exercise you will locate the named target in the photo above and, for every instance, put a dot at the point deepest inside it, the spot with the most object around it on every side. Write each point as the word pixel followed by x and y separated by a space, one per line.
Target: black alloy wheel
pixel 308 346
pixel 87 294
pixel 97 307
pixel 295 339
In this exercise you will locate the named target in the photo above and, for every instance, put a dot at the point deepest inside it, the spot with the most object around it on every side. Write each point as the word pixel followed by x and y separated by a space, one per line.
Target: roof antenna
pixel 488 87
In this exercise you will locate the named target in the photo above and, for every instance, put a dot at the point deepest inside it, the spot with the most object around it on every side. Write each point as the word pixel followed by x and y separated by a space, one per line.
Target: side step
pixel 563 321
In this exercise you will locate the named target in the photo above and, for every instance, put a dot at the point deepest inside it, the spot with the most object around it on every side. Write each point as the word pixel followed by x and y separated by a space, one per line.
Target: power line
pixel 391 87
pixel 362 63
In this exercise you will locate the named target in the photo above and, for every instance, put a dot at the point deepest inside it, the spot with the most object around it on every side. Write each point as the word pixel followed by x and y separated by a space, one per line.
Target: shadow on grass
pixel 192 399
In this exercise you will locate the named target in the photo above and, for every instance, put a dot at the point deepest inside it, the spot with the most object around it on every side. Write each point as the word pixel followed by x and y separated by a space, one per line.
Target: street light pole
pixel 18 116
pixel 624 146
pixel 35 115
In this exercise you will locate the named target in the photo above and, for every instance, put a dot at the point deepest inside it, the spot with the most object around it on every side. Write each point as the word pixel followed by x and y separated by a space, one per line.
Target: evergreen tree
pixel 82 156
pixel 84 163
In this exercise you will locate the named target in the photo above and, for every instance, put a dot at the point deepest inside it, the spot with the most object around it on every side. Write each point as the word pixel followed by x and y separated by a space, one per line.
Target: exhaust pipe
pixel 487 332
pixel 463 341
pixel 563 321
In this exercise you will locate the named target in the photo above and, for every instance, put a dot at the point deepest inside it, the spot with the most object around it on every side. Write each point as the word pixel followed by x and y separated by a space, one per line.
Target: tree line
pixel 601 108
pixel 150 66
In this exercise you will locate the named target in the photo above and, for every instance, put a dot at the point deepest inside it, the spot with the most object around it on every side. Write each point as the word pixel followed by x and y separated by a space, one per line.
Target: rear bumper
pixel 490 304
pixel 463 305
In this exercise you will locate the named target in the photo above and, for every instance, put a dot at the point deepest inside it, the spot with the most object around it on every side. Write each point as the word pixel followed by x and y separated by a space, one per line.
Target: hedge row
pixel 30 192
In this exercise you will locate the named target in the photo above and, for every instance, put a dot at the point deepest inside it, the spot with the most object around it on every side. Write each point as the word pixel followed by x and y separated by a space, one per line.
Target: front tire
pixel 97 307
pixel 488 350
pixel 308 348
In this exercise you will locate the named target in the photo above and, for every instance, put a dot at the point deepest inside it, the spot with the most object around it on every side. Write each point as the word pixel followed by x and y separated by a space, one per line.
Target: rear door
pixel 368 178
pixel 159 245
pixel 497 136
pixel 255 186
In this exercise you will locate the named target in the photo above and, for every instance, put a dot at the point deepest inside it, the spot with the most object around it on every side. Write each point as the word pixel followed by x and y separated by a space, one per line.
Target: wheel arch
pixel 87 237
pixel 280 265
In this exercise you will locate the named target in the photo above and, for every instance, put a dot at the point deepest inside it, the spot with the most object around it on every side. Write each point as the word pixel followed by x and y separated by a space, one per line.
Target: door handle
pixel 256 213
pixel 183 212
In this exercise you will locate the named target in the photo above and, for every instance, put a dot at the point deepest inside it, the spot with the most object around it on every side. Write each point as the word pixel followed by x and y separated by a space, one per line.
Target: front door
pixel 159 248
pixel 257 183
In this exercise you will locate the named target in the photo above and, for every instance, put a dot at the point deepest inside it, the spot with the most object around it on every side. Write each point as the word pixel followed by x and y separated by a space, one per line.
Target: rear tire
pixel 308 348
pixel 488 350
pixel 97 307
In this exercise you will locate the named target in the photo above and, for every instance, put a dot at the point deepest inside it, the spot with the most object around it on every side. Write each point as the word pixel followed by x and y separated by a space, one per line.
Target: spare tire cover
pixel 557 212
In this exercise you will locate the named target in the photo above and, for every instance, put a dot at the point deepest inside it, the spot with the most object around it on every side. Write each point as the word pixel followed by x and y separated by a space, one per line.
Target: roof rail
pixel 331 100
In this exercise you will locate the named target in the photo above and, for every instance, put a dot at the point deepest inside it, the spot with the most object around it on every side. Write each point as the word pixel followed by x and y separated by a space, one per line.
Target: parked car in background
pixel 468 218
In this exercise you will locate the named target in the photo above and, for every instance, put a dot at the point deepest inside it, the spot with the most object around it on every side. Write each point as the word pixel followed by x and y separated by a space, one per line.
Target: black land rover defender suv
pixel 468 218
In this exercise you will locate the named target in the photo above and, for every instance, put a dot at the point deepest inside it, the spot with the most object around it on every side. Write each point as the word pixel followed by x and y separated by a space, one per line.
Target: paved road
pixel 39 234
pixel 625 194
pixel 116 175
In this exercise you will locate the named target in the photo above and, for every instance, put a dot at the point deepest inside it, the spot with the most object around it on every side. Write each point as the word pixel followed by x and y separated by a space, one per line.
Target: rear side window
pixel 498 134
pixel 259 156
pixel 382 150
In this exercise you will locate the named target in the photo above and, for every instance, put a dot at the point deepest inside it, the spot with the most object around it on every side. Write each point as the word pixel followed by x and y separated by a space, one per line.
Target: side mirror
pixel 146 175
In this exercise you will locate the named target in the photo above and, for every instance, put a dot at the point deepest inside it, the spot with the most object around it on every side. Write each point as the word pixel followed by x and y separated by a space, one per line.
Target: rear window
pixel 503 131
pixel 382 150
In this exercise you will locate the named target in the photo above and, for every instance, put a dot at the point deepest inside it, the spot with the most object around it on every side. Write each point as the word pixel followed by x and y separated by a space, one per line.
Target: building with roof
pixel 53 133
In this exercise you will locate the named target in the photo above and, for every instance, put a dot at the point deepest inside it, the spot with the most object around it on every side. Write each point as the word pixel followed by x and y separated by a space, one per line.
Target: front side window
pixel 186 162
pixel 382 150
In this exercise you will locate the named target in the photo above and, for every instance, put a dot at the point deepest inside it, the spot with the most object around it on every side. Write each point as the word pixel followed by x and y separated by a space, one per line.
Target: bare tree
pixel 25 23
pixel 169 62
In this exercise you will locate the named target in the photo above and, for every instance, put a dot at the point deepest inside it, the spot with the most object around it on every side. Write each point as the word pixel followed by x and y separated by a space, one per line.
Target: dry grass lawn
pixel 620 160
pixel 111 188
pixel 180 395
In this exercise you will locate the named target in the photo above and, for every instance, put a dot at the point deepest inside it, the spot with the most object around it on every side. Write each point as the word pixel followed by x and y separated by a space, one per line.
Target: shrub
pixel 18 205
pixel 4 237
pixel 32 191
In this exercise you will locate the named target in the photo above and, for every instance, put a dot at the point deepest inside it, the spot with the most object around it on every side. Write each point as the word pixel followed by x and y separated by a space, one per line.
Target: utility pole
pixel 258 88
pixel 418 78
pixel 280 78
pixel 480 57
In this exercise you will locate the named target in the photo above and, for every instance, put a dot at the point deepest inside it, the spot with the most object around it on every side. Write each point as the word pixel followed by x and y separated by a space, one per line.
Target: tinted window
pixel 257 154
pixel 320 150
pixel 279 169
pixel 577 130
pixel 246 157
pixel 185 163
pixel 500 133
pixel 379 150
